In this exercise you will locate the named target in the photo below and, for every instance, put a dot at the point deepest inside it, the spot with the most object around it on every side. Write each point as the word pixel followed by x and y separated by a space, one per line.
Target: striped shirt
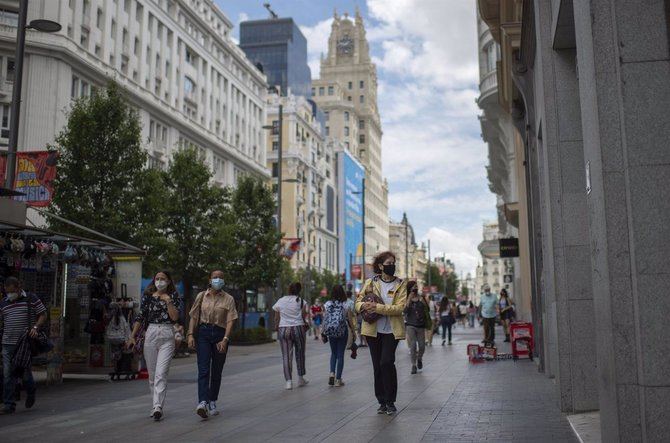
pixel 14 316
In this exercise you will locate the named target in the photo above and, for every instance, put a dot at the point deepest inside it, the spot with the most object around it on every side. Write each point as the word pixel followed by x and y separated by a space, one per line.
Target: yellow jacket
pixel 394 311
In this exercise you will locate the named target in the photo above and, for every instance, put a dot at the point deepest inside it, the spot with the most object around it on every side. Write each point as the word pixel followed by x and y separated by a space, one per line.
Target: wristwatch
pixel 226 339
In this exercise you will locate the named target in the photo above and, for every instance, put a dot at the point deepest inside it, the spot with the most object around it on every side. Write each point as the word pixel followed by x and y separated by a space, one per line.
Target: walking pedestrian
pixel 472 313
pixel 212 318
pixel 506 309
pixel 432 307
pixel 338 320
pixel 447 319
pixel 290 318
pixel 20 314
pixel 488 307
pixel 463 312
pixel 381 303
pixel 159 310
pixel 417 320
pixel 317 318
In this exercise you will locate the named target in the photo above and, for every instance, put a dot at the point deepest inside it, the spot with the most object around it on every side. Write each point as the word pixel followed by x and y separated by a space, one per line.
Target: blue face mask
pixel 216 283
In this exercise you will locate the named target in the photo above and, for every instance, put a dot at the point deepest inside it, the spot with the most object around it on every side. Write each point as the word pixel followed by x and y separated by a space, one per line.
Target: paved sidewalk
pixel 451 400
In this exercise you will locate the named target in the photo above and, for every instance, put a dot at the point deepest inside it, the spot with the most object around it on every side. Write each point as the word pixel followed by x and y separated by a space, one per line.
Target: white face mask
pixel 12 296
pixel 161 284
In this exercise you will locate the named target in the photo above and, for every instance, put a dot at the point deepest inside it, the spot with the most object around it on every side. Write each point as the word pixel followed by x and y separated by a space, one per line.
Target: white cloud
pixel 433 155
pixel 317 43
pixel 434 158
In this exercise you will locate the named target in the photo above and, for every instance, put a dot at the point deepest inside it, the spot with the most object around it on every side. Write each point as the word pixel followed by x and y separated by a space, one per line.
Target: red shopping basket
pixel 522 340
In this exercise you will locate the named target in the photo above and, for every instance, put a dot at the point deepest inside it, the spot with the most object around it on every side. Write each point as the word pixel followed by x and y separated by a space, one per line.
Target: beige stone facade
pixel 308 174
pixel 347 93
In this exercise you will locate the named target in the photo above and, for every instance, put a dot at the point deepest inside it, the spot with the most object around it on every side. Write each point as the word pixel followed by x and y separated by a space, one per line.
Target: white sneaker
pixel 201 410
pixel 339 382
pixel 302 381
pixel 212 408
pixel 289 385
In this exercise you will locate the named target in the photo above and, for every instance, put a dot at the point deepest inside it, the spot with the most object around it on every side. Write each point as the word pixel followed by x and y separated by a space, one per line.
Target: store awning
pixel 109 247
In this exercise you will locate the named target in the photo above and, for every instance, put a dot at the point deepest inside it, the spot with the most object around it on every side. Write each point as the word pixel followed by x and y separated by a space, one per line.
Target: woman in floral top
pixel 159 310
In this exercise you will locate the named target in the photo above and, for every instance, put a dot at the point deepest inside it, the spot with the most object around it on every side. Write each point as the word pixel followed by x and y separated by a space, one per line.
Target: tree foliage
pixel 102 178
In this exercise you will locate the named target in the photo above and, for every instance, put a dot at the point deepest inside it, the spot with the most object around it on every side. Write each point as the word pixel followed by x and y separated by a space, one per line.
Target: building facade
pixel 350 175
pixel 505 171
pixel 401 242
pixel 347 93
pixel 309 191
pixel 279 48
pixel 588 92
pixel 191 85
pixel 493 270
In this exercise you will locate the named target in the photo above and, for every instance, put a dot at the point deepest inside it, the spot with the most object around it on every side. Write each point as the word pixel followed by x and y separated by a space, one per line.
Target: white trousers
pixel 158 352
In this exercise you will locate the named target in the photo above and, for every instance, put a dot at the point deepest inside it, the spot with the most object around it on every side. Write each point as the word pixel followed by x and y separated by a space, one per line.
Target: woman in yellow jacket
pixel 386 329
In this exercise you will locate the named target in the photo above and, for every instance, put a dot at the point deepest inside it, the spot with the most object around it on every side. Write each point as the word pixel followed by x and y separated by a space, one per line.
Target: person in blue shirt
pixel 488 307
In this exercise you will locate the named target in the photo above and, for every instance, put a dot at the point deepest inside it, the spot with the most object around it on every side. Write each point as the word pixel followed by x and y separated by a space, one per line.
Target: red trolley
pixel 522 340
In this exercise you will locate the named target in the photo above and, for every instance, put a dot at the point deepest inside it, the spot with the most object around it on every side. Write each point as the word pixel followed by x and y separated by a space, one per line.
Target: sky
pixel 427 67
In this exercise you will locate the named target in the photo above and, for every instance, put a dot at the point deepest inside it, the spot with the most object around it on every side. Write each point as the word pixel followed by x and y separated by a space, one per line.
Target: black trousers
pixel 382 351
pixel 490 329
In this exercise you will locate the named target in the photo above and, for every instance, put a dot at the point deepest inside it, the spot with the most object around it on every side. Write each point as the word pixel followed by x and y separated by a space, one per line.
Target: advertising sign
pixel 350 212
pixel 509 247
pixel 35 173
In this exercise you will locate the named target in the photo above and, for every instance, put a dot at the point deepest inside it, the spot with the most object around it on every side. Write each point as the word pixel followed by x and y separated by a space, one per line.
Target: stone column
pixel 566 271
pixel 624 75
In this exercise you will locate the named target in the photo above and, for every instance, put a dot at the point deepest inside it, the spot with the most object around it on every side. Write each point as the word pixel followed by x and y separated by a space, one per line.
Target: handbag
pixel 371 317
pixel 42 343
pixel 117 334
pixel 427 320
pixel 138 348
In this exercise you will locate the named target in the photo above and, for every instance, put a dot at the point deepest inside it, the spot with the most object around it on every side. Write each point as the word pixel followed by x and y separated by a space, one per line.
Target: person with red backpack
pixel 338 318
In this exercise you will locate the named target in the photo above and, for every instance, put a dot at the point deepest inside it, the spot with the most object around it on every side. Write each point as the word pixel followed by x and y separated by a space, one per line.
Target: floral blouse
pixel 154 310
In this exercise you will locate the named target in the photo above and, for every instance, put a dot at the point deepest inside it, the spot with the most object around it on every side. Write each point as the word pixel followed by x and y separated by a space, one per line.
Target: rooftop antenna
pixel 269 8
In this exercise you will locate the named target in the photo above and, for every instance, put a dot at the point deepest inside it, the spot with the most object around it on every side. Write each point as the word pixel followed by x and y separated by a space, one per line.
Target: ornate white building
pixel 347 93
pixel 190 83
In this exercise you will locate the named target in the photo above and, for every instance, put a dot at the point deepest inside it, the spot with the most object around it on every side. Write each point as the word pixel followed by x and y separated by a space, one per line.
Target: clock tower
pixel 347 92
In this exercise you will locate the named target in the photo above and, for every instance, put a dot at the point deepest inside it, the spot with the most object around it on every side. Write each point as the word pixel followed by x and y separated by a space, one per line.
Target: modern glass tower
pixel 280 48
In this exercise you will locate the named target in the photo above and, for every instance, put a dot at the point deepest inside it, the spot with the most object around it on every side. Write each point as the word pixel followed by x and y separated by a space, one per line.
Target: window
pixel 351 85
pixel 349 98
pixel 275 169
pixel 346 116
pixel 189 86
pixel 361 84
pixel 74 89
pixel 190 58
pixel 275 146
pixel 4 127
pixel 275 127
pixel 98 19
pixel 126 6
pixel 83 39
pixel 327 131
pixel 361 138
pixel 361 124
pixel 331 90
pixel 361 99
pixel 326 115
pixel 11 69
pixel 321 90
pixel 113 28
pixel 97 50
pixel 313 91
pixel 219 166
pixel 10 18
pixel 346 131
pixel 492 56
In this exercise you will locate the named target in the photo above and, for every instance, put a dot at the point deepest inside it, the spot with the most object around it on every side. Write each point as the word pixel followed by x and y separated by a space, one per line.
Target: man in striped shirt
pixel 14 318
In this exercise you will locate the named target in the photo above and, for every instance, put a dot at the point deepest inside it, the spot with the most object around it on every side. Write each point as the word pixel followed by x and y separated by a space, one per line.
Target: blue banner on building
pixel 350 183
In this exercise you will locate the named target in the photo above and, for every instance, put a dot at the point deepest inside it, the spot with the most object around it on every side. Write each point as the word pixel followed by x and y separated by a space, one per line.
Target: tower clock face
pixel 345 45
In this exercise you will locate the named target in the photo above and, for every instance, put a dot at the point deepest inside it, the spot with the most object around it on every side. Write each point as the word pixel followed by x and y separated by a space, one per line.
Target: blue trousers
pixel 337 347
pixel 210 362
pixel 9 379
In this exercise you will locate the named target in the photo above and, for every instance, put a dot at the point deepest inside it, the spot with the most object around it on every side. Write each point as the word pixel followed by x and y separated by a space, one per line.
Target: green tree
pixel 194 221
pixel 436 279
pixel 465 292
pixel 101 171
pixel 253 258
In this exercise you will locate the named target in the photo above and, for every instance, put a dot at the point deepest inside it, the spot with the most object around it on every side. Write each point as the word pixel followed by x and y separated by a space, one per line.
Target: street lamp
pixel 279 173
pixel 38 25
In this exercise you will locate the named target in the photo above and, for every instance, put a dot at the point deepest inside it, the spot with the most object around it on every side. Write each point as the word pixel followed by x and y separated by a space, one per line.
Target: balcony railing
pixel 489 84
